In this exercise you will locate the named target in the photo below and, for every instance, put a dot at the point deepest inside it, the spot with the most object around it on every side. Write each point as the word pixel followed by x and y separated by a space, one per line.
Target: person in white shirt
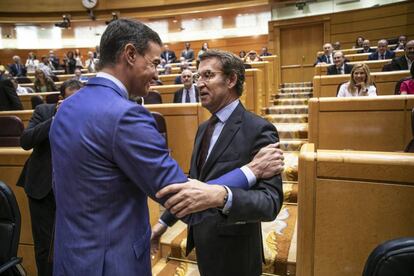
pixel 91 63
pixel 31 63
pixel 189 93
pixel 360 83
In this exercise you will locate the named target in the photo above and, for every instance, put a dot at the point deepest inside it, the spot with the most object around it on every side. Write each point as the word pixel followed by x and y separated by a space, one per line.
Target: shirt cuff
pixel 162 222
pixel 229 203
pixel 251 178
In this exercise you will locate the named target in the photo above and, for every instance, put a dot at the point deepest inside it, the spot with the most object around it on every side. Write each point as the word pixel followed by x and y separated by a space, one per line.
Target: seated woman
pixel 43 83
pixel 360 83
pixel 252 57
pixel 407 86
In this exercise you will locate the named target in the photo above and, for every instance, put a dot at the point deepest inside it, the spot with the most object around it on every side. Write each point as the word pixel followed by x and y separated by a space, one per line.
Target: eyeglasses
pixel 152 63
pixel 206 76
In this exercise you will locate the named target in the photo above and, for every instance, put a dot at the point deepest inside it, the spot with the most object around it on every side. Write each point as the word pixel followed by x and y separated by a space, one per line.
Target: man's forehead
pixel 209 64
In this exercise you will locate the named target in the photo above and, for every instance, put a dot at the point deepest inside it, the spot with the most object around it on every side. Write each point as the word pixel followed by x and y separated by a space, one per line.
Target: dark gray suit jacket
pixel 178 95
pixel 36 177
pixel 232 244
pixel 332 70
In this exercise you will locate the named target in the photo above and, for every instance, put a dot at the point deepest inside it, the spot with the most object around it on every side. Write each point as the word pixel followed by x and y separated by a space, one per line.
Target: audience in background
pixel 402 40
pixel 404 62
pixel 340 66
pixel 97 52
pixel 43 83
pixel 70 63
pixel 17 69
pixel 242 54
pixel 19 90
pixel 4 74
pixel 407 86
pixel 78 58
pixel 189 93
pixel 168 55
pixel 366 48
pixel 264 52
pixel 252 57
pixel 203 49
pixel 91 63
pixel 188 53
pixel 382 51
pixel 31 63
pixel 358 42
pixel 327 56
pixel 8 96
pixel 44 66
pixel 360 83
pixel 337 46
pixel 78 75
pixel 53 61
pixel 184 65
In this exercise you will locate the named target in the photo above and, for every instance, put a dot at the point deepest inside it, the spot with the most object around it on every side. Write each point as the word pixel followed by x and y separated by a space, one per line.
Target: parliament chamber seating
pixel 10 223
pixel 326 86
pixel 349 202
pixel 394 257
pixel 364 56
pixel 355 50
pixel 11 130
pixel 410 146
pixel 398 85
pixel 374 66
pixel 31 85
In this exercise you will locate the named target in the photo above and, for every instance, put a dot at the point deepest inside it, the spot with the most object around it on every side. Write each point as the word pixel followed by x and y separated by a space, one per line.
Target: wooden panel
pixel 24 115
pixel 29 262
pixel 167 91
pixel 253 96
pixel 363 123
pixel 350 198
pixel 26 98
pixel 364 56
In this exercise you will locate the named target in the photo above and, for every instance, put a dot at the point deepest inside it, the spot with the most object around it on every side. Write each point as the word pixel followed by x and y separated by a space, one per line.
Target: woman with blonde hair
pixel 360 83
pixel 43 83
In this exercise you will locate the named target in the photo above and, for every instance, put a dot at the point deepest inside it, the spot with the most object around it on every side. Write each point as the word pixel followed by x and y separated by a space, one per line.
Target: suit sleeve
pixel 371 57
pixel 37 131
pixel 140 152
pixel 14 98
pixel 264 200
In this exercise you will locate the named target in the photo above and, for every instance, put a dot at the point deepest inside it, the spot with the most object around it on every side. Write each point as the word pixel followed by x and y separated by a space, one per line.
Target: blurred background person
pixel 32 62
pixel 43 83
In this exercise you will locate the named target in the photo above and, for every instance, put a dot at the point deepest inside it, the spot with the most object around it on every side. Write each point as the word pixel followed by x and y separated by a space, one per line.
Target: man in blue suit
pixel 108 157
pixel 382 51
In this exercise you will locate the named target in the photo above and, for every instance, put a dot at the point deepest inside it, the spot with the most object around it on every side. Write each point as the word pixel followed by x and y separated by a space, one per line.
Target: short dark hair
pixel 230 65
pixel 72 83
pixel 121 32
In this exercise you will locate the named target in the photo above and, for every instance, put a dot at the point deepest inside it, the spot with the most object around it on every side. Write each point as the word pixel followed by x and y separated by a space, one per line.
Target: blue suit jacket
pixel 107 157
pixel 388 55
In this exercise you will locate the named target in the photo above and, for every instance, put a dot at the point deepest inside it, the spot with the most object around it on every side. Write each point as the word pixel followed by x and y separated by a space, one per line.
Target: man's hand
pixel 268 162
pixel 58 104
pixel 157 231
pixel 192 196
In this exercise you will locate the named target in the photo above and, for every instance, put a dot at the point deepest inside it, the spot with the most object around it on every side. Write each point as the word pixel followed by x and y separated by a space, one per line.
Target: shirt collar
pixel 114 80
pixel 224 113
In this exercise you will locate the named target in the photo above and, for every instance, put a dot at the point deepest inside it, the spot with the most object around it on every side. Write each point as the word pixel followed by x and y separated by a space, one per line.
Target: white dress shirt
pixel 192 94
pixel 343 91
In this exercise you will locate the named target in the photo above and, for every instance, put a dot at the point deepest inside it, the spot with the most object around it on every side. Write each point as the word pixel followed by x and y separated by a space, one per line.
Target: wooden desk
pixel 374 66
pixel 350 202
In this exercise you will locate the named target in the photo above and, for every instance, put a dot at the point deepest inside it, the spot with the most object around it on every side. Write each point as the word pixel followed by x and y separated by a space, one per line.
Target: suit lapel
pixel 226 136
pixel 193 168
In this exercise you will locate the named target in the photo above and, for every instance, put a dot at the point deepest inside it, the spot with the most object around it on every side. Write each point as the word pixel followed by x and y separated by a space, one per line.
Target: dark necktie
pixel 187 96
pixel 383 56
pixel 340 70
pixel 205 142
pixel 328 58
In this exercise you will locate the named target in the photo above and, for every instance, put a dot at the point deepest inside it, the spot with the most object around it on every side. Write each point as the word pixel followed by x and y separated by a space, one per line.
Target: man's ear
pixel 130 53
pixel 231 81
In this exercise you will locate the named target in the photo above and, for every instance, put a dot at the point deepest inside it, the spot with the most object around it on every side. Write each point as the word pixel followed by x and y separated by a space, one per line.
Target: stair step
pixel 290 95
pixel 287 109
pixel 295 89
pixel 292 130
pixel 290 173
pixel 287 118
pixel 292 144
pixel 279 244
pixel 296 84
pixel 291 101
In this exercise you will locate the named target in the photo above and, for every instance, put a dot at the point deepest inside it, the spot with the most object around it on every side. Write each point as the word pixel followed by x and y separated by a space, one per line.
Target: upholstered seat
pixel 10 131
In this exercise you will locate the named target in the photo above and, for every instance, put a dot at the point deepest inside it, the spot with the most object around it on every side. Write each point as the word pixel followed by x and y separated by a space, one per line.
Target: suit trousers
pixel 42 213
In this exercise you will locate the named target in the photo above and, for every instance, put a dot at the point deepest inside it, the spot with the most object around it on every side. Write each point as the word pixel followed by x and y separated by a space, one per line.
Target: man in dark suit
pixel 53 61
pixel 340 67
pixel 168 55
pixel 404 62
pixel 382 51
pixel 36 177
pixel 189 93
pixel 230 241
pixel 9 100
pixel 366 48
pixel 327 56
pixel 17 69
pixel 188 53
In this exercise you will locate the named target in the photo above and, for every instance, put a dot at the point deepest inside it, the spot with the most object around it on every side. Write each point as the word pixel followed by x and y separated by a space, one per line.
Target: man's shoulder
pixel 45 107
pixel 251 118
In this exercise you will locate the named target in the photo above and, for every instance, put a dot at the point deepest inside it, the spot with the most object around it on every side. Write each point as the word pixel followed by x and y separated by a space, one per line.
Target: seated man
pixel 168 55
pixel 404 62
pixel 8 96
pixel 327 56
pixel 264 52
pixel 340 67
pixel 402 40
pixel 79 77
pixel 337 46
pixel 189 93
pixel 382 51
pixel 17 69
pixel 366 48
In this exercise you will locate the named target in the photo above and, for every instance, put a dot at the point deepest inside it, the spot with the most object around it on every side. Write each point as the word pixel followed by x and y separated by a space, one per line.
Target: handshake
pixel 195 196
